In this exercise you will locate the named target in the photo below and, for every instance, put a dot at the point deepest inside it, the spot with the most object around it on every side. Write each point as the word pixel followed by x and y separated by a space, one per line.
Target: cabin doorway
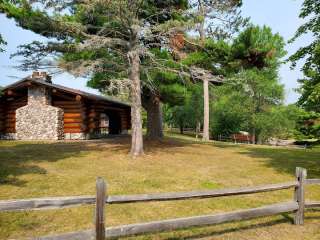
pixel 110 123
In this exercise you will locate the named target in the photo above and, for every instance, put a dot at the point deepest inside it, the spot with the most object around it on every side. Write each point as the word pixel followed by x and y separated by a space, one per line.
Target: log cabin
pixel 36 109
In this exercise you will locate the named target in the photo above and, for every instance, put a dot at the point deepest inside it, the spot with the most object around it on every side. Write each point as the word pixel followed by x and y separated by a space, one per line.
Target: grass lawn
pixel 29 169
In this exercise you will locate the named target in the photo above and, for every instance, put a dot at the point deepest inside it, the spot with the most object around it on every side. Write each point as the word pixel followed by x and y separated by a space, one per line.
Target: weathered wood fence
pixel 296 206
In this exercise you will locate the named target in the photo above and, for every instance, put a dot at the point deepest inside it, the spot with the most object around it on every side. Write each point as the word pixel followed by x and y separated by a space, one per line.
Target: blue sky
pixel 280 15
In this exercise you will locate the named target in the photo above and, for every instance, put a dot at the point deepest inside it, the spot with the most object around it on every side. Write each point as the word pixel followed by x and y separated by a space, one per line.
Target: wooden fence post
pixel 299 195
pixel 100 206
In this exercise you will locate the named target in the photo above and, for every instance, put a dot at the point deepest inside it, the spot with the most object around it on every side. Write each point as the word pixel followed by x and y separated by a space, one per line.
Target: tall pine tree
pixel 108 34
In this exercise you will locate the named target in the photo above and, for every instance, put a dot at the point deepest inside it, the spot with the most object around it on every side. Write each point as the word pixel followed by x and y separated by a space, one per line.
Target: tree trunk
pixel 181 129
pixel 154 118
pixel 201 29
pixel 254 137
pixel 198 129
pixel 206 110
pixel 134 75
pixel 205 136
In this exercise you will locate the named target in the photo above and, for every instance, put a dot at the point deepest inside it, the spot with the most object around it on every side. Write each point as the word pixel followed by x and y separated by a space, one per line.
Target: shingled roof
pixel 49 84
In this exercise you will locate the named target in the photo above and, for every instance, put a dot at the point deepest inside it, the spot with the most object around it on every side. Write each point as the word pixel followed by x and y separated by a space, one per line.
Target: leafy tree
pixel 310 85
pixel 308 124
pixel 187 114
pixel 278 122
pixel 251 64
pixel 110 35
pixel 231 112
pixel 262 90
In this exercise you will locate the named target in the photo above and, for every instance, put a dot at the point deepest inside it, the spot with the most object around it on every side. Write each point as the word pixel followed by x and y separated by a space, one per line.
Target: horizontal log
pixel 16 104
pixel 73 120
pixel 79 110
pixel 66 107
pixel 74 125
pixel 313 181
pixel 56 202
pixel 10 130
pixel 312 204
pixel 13 120
pixel 11 116
pixel 10 125
pixel 199 194
pixel 73 115
pixel 14 108
pixel 81 235
pixel 45 203
pixel 181 223
pixel 70 130
pixel 66 103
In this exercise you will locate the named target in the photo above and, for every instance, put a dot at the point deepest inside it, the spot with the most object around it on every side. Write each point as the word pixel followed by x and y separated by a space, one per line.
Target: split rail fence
pixel 296 206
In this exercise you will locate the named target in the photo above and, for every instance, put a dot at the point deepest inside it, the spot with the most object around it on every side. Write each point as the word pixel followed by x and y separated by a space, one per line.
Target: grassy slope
pixel 60 169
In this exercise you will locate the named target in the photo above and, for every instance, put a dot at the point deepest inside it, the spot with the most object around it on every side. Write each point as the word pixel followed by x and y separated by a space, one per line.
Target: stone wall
pixel 76 136
pixel 38 120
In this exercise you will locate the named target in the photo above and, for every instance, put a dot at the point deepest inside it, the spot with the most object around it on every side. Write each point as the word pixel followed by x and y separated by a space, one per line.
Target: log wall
pixel 125 119
pixel 74 115
pixel 93 118
pixel 9 119
pixel 2 116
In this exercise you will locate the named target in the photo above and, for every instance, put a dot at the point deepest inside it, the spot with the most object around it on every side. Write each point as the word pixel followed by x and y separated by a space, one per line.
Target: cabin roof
pixel 87 95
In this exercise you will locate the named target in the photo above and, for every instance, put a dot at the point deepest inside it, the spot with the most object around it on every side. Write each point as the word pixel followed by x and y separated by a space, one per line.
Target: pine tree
pixel 217 19
pixel 112 33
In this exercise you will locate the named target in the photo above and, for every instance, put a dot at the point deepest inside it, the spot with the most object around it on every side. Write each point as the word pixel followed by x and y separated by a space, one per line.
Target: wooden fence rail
pixel 296 206
pixel 59 202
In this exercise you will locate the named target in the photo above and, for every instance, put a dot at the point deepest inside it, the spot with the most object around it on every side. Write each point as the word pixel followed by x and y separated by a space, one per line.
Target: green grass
pixel 29 169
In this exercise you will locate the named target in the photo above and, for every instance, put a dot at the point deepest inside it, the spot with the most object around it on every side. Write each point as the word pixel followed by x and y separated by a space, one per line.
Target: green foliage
pixel 258 47
pixel 252 96
pixel 310 85
pixel 2 42
pixel 189 113
pixel 308 125
pixel 229 113
pixel 279 122
pixel 233 111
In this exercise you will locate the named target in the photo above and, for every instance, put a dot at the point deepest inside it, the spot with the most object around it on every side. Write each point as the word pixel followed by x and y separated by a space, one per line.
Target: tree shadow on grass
pixel 20 158
pixel 17 158
pixel 284 160
pixel 285 218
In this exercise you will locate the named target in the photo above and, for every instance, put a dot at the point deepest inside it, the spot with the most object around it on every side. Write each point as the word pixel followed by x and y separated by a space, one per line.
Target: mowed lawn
pixel 40 169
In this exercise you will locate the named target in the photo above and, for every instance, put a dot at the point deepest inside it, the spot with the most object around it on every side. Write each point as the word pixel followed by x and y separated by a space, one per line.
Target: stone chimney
pixel 39 95
pixel 38 120
pixel 41 76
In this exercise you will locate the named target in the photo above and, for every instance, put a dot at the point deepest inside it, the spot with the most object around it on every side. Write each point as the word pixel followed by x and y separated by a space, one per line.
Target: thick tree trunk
pixel 134 75
pixel 206 119
pixel 154 118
